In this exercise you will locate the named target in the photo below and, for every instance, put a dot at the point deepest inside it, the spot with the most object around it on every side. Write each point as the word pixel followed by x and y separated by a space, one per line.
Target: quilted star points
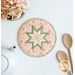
pixel 37 37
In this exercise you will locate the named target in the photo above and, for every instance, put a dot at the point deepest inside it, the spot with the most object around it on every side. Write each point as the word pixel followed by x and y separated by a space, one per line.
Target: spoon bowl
pixel 61 55
pixel 67 40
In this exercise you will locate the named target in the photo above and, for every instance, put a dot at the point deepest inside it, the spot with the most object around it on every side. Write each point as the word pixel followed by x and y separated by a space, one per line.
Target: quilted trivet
pixel 36 37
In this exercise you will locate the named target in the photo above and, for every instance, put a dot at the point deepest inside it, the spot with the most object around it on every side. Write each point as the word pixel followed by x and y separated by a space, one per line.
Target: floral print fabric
pixel 36 37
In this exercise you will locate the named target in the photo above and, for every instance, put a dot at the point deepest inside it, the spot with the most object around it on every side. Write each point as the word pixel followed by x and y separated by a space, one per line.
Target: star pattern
pixel 37 37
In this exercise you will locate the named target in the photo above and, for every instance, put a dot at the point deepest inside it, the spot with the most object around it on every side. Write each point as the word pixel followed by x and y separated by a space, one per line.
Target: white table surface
pixel 60 14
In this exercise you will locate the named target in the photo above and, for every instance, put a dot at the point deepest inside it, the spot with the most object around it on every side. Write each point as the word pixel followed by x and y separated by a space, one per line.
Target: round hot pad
pixel 36 37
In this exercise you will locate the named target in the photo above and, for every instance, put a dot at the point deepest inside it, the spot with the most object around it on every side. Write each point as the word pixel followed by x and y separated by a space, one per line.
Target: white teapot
pixel 10 61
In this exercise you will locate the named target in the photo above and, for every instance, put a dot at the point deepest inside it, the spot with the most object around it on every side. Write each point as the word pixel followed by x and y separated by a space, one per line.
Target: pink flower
pixel 3 17
pixel 11 2
pixel 13 8
pixel 19 2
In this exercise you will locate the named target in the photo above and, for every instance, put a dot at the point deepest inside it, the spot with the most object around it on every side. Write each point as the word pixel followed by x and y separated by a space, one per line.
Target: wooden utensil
pixel 67 40
pixel 61 55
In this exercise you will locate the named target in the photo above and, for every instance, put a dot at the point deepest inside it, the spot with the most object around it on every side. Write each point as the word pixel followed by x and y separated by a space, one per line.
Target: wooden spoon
pixel 67 40
pixel 61 55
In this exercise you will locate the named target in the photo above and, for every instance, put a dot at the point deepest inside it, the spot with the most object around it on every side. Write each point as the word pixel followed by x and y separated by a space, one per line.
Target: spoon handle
pixel 70 73
pixel 70 59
